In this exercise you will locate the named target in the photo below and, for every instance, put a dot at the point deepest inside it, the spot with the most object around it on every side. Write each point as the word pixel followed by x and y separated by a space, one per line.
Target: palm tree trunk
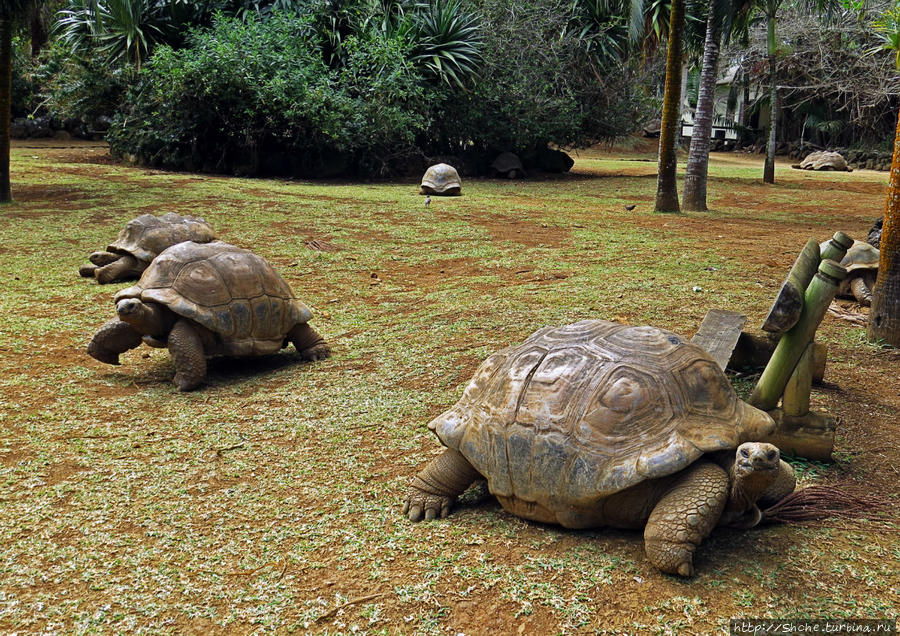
pixel 884 315
pixel 5 105
pixel 667 184
pixel 698 155
pixel 769 168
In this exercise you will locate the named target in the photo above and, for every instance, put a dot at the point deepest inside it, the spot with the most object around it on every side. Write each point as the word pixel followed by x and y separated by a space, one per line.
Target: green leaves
pixel 124 31
pixel 887 29
pixel 447 41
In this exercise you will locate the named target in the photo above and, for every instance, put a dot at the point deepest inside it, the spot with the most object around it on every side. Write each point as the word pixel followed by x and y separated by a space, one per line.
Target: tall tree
pixel 698 155
pixel 12 13
pixel 666 183
pixel 884 315
pixel 770 10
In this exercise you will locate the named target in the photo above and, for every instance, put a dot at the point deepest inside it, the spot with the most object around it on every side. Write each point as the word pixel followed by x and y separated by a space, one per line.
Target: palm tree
pixel 698 155
pixel 884 315
pixel 12 13
pixel 769 9
pixel 666 183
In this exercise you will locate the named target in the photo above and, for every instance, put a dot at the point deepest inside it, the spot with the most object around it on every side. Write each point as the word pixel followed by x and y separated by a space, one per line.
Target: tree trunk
pixel 769 168
pixel 698 156
pixel 884 315
pixel 5 105
pixel 667 184
pixel 37 29
pixel 745 101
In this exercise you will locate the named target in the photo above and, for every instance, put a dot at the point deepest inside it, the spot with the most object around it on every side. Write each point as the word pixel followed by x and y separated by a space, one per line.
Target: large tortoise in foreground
pixel 201 300
pixel 140 241
pixel 601 424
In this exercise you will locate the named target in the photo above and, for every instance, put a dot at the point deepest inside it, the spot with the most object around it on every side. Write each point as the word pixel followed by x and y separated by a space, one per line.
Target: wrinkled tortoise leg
pixel 123 267
pixel 111 339
pixel 186 349
pixel 783 485
pixel 87 271
pixel 861 291
pixel 309 343
pixel 433 491
pixel 685 516
pixel 102 258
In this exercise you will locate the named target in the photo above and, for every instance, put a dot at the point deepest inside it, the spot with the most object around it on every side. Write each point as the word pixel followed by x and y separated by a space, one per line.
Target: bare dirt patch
pixel 524 232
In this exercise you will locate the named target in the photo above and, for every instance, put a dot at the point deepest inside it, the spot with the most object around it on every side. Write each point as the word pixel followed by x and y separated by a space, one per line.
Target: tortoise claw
pixel 319 352
pixel 422 505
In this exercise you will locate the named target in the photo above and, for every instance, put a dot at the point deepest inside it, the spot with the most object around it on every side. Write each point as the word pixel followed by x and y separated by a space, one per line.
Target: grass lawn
pixel 269 500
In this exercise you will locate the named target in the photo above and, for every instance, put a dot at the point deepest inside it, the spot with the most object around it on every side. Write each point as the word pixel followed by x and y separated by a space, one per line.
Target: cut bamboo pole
pixel 789 302
pixel 837 247
pixel 819 294
pixel 795 401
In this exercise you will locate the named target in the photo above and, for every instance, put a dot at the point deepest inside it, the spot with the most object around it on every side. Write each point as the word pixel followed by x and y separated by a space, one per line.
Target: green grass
pixel 269 499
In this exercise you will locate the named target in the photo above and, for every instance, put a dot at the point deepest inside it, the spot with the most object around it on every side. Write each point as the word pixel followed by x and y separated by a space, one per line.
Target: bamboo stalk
pixel 837 247
pixel 795 400
pixel 819 294
pixel 788 303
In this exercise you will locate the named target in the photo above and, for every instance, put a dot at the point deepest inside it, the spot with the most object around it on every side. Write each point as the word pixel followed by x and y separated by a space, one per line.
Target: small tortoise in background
pixel 861 262
pixel 601 424
pixel 140 241
pixel 209 299
pixel 508 165
pixel 441 179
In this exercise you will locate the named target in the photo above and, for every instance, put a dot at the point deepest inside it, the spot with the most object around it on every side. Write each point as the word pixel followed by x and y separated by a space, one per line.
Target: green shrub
pixel 256 96
pixel 538 87
pixel 25 97
pixel 85 91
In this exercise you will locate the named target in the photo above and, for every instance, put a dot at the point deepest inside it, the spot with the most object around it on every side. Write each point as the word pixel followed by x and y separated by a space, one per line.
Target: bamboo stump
pixel 810 436
pixel 788 376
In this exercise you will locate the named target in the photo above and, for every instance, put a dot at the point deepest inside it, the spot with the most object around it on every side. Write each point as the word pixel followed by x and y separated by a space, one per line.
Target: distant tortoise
pixel 601 424
pixel 508 165
pixel 861 263
pixel 824 160
pixel 209 299
pixel 441 179
pixel 139 243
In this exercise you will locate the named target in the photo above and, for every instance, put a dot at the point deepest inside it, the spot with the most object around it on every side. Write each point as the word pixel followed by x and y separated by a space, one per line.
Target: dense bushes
pixel 257 96
pixel 539 86
pixel 372 87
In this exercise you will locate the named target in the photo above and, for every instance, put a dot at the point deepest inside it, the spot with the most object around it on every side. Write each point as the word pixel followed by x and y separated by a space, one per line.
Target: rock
pixel 554 160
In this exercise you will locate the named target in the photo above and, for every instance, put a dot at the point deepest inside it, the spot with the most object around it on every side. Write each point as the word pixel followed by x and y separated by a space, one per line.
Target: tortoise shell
pixel 144 237
pixel 441 178
pixel 230 291
pixel 579 412
pixel 508 163
pixel 861 255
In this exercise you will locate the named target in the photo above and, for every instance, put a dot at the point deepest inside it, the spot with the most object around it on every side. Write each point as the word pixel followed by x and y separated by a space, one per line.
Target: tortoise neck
pixel 149 318
pixel 741 510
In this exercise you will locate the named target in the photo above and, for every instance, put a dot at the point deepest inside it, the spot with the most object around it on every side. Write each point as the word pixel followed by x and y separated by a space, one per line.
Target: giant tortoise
pixel 201 300
pixel 602 424
pixel 140 241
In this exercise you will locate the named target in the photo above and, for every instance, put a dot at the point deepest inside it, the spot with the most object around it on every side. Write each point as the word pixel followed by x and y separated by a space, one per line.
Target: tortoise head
pixel 146 318
pixel 756 459
pixel 756 468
